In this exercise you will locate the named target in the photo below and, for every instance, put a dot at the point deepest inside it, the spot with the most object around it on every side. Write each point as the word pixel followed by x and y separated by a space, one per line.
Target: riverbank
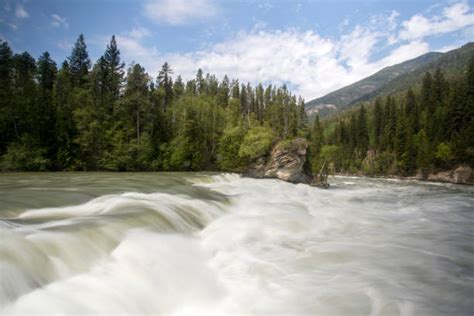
pixel 460 175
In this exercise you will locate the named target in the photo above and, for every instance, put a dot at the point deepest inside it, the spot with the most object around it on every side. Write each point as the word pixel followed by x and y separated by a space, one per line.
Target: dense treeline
pixel 428 128
pixel 99 117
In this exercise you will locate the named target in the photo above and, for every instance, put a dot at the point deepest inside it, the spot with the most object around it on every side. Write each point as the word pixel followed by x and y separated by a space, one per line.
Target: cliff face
pixel 285 162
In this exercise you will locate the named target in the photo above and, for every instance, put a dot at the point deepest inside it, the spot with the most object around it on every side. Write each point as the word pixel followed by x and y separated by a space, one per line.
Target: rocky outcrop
pixel 285 162
pixel 460 175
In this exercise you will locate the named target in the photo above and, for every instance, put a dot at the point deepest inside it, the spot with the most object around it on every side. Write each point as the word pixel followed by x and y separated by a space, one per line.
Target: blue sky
pixel 313 46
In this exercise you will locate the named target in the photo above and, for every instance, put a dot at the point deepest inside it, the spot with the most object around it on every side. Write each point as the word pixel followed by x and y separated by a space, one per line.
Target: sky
pixel 313 46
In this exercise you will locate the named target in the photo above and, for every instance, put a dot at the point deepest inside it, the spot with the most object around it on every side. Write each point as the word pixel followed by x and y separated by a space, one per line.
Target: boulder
pixel 463 175
pixel 285 162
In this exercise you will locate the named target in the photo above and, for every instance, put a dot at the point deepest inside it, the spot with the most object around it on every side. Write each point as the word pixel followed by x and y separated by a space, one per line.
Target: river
pixel 219 244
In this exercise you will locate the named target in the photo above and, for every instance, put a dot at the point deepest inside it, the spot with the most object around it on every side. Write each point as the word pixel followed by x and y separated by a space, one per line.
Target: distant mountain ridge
pixel 391 79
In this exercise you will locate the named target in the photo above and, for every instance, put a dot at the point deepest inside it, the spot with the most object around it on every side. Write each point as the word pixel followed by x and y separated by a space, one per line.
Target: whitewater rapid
pixel 220 244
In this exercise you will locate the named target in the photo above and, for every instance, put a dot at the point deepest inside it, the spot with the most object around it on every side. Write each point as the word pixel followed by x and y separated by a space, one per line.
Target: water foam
pixel 365 247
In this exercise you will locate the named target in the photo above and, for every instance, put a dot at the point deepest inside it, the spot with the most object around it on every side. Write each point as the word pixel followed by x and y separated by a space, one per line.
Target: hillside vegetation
pixel 393 79
pixel 426 129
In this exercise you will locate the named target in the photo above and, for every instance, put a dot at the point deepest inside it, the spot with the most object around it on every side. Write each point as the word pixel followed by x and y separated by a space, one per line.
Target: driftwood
pixel 321 180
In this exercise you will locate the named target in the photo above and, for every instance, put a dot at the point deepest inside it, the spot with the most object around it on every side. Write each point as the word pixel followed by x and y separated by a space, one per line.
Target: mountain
pixel 392 79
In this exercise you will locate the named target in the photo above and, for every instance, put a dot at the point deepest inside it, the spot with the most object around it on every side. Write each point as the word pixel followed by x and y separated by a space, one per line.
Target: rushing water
pixel 209 244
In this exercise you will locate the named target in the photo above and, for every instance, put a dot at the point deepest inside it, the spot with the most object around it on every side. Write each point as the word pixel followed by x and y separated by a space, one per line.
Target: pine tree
pixel 400 134
pixel 79 62
pixel 45 110
pixel 46 73
pixel 135 101
pixel 224 92
pixel 378 123
pixel 6 94
pixel 178 87
pixel 235 88
pixel 25 93
pixel 200 86
pixel 114 66
pixel 302 116
pixel 317 140
pixel 390 123
pixel 65 128
pixel 362 130
pixel 411 110
pixel 428 100
pixel 353 132
pixel 165 83
pixel 470 89
pixel 440 88
pixel 424 152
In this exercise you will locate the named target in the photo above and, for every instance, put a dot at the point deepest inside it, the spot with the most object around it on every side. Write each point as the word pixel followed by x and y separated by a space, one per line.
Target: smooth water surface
pixel 219 244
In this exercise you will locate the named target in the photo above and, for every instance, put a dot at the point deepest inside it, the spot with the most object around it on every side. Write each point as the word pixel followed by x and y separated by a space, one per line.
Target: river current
pixel 220 244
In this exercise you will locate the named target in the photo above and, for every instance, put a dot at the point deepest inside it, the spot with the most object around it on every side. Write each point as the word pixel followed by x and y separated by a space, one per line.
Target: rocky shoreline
pixel 461 175
pixel 287 159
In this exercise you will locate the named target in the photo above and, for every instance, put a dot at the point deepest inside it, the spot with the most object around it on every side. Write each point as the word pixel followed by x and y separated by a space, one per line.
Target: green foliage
pixel 444 153
pixel 257 142
pixel 24 156
pixel 83 118
pixel 228 151
pixel 79 62
pixel 119 156
pixel 425 131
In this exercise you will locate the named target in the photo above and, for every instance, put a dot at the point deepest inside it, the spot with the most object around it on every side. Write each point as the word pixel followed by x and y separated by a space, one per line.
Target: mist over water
pixel 213 244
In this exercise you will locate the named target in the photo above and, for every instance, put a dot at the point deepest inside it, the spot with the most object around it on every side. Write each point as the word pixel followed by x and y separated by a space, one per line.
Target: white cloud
pixel 58 21
pixel 178 12
pixel 402 53
pixel 65 45
pixel 311 64
pixel 453 18
pixel 20 12
pixel 139 32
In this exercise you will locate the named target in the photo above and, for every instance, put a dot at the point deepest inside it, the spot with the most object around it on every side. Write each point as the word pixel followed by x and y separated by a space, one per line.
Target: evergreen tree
pixel 165 83
pixel 200 86
pixel 178 87
pixel 390 123
pixel 25 92
pixel 45 111
pixel 7 133
pixel 224 92
pixel 378 123
pixel 411 110
pixel 65 128
pixel 424 152
pixel 79 62
pixel 362 130
pixel 317 140
pixel 114 67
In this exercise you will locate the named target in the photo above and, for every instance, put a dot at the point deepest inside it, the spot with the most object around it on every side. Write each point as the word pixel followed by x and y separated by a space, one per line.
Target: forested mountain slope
pixel 392 79
pixel 416 131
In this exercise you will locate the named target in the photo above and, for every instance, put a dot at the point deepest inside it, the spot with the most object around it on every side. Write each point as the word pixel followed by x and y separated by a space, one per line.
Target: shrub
pixel 257 142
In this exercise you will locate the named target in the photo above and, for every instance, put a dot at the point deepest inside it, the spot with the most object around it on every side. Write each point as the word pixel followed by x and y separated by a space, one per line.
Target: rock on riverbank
pixel 285 162
pixel 460 175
